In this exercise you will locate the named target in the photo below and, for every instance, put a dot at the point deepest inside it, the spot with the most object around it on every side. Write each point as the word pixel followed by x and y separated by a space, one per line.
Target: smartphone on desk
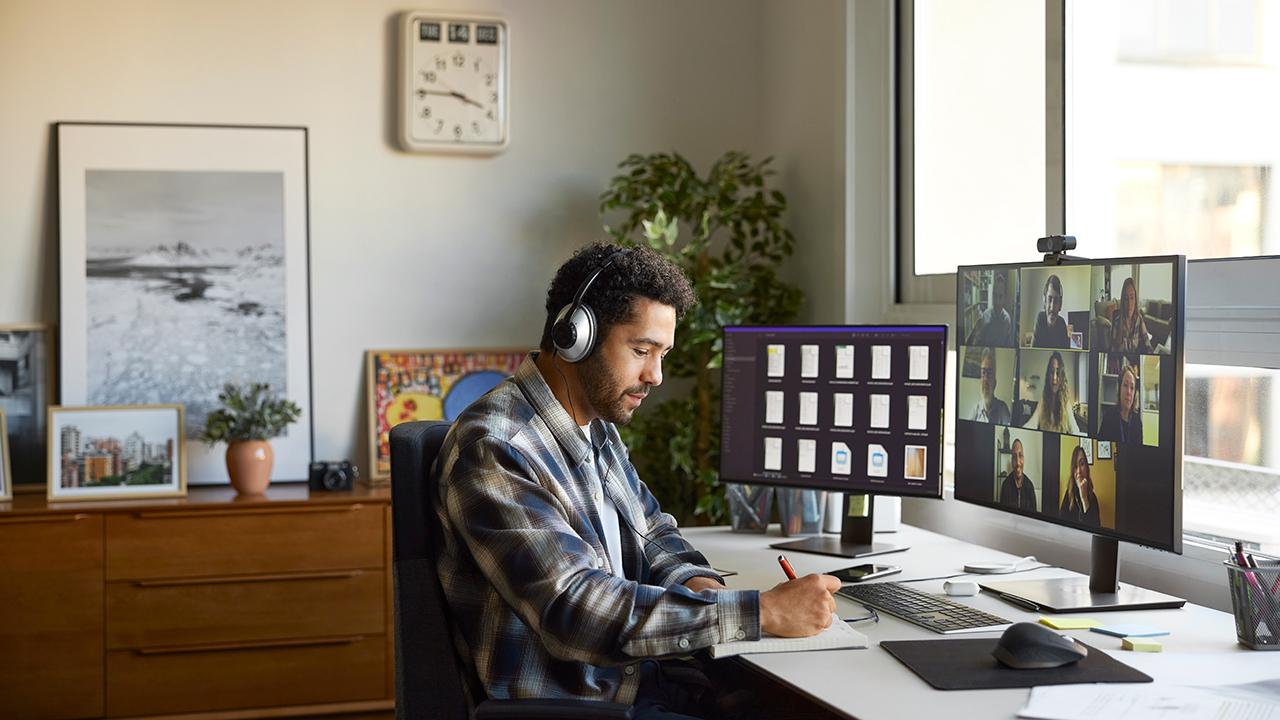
pixel 866 571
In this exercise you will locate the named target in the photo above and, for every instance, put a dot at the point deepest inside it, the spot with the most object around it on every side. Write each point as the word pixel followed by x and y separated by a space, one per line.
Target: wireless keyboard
pixel 938 614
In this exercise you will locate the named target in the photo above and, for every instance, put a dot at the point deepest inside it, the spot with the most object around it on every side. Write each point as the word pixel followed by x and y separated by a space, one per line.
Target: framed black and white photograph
pixel 26 391
pixel 105 453
pixel 6 483
pixel 183 266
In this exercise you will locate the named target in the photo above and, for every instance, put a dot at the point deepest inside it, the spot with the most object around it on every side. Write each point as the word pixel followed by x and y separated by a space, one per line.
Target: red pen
pixel 786 567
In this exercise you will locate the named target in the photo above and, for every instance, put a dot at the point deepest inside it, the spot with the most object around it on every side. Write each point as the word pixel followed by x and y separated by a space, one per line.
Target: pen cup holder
pixel 1255 601
pixel 749 506
pixel 800 510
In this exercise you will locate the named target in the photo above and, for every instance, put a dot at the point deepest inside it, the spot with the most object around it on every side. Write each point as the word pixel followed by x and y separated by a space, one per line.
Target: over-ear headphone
pixel 574 333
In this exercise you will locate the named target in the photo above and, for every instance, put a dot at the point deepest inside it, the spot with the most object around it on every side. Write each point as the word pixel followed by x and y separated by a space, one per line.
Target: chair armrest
pixel 551 710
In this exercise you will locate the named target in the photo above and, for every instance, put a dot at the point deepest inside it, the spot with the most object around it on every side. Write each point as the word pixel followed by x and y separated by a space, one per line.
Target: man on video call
pixel 564 576
pixel 990 408
pixel 1017 491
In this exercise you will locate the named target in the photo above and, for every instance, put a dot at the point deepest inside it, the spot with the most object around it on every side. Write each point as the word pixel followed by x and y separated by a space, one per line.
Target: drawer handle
pixel 260 645
pixel 293 510
pixel 42 519
pixel 335 575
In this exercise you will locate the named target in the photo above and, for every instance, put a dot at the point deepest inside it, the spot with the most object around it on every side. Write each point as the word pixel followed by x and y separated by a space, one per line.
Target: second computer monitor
pixel 846 408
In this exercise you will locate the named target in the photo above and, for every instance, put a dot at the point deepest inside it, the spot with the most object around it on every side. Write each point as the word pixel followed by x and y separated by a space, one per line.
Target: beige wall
pixel 428 250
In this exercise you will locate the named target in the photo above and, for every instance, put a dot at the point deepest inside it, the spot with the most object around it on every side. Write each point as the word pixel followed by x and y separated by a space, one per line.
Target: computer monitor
pixel 856 409
pixel 1069 410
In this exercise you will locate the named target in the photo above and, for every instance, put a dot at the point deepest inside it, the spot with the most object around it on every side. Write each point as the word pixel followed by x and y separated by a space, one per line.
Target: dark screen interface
pixel 1067 387
pixel 847 408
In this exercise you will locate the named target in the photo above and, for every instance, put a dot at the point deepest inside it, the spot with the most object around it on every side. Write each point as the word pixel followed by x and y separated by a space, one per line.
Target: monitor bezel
pixel 1178 355
pixel 933 327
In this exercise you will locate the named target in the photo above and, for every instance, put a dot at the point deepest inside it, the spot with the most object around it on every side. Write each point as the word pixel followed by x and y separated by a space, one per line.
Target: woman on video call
pixel 1123 421
pixel 1080 504
pixel 1051 327
pixel 1053 413
pixel 1129 330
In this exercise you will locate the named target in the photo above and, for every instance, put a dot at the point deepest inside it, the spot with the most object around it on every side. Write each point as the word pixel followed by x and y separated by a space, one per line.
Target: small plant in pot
pixel 249 417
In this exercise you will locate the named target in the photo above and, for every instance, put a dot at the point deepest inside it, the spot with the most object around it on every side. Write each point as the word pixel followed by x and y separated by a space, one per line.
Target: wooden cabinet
pixel 208 604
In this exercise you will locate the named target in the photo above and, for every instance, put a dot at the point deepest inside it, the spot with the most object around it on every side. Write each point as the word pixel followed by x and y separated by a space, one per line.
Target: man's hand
pixel 700 583
pixel 800 607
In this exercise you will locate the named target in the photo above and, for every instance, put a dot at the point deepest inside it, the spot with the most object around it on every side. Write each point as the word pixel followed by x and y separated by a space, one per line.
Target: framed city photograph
pixel 404 385
pixel 183 266
pixel 6 483
pixel 26 391
pixel 106 453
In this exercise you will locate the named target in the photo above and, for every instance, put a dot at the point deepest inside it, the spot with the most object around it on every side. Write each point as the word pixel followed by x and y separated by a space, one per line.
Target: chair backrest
pixel 429 676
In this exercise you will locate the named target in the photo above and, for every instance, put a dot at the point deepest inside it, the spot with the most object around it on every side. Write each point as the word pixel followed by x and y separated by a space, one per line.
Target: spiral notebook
pixel 837 635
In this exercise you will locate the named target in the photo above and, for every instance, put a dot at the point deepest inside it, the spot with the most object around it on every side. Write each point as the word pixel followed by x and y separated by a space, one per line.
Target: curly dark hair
pixel 640 272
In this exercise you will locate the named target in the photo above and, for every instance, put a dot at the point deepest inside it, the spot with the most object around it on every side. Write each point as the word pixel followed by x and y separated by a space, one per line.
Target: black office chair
pixel 431 681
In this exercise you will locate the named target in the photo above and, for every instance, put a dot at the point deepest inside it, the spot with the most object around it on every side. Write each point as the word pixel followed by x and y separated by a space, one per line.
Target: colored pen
pixel 786 567
pixel 1242 561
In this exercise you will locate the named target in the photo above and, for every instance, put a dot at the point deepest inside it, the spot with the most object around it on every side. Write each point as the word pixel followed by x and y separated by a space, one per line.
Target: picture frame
pixel 1104 449
pixel 27 389
pixel 6 477
pixel 116 452
pixel 184 266
pixel 426 384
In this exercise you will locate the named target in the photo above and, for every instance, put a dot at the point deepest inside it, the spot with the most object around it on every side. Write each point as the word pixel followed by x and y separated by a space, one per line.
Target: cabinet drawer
pixel 51 616
pixel 193 543
pixel 245 675
pixel 211 610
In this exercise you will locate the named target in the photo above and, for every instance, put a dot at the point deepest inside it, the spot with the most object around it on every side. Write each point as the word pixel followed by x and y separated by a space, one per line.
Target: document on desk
pixel 838 635
pixel 1105 701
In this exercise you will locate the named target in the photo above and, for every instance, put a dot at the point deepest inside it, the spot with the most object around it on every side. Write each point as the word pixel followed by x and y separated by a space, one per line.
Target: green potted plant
pixel 725 231
pixel 249 417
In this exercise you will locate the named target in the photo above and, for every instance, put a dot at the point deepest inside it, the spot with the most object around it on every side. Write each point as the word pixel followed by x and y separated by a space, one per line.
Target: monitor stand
pixel 856 537
pixel 1099 592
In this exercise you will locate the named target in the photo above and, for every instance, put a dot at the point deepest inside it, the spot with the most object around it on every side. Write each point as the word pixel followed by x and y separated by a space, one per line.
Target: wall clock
pixel 453 83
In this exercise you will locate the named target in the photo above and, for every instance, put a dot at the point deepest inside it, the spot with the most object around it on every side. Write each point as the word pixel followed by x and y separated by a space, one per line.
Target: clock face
pixel 455 84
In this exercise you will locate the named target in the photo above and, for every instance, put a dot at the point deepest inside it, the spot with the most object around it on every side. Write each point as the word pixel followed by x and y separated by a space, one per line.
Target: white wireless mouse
pixel 962 588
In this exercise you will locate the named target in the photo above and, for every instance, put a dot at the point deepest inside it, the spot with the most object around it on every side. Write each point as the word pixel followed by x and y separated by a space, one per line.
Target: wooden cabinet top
pixel 217 497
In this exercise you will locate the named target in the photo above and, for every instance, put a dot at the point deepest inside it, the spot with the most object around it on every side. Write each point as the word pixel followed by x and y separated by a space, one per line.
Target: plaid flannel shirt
pixel 537 609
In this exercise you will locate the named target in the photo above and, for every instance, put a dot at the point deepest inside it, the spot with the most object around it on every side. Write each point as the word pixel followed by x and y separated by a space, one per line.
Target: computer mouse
pixel 1031 646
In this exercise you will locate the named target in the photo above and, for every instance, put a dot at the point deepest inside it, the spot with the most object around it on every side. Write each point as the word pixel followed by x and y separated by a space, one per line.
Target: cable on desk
pixel 948 577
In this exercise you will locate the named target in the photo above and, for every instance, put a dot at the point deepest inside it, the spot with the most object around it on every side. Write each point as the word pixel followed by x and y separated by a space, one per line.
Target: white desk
pixel 870 683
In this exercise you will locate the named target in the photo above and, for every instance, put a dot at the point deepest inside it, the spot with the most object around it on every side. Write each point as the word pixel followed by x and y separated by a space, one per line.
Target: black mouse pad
pixel 968 665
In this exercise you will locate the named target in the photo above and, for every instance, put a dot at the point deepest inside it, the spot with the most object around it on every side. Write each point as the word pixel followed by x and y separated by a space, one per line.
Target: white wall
pixel 422 250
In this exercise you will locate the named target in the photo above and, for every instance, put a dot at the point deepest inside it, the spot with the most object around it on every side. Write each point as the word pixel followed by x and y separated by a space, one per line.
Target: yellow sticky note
pixel 1141 644
pixel 1069 623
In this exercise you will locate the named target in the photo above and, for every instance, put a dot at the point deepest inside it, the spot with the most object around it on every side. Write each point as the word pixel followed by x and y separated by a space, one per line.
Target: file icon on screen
pixel 808 408
pixel 917 412
pixel 879 411
pixel 809 361
pixel 807 451
pixel 919 366
pixel 777 360
pixel 844 362
pixel 841 459
pixel 773 453
pixel 773 406
pixel 881 360
pixel 844 409
pixel 877 461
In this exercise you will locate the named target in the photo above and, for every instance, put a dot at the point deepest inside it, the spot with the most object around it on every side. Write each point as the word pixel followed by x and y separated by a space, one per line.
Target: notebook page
pixel 837 635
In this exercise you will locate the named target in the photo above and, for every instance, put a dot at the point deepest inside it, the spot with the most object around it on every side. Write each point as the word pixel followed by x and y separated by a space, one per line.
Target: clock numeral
pixel 489 114
pixel 459 59
pixel 430 76
pixel 442 64
pixel 439 127
pixel 457 131
pixel 493 97
pixel 475 127
pixel 488 80
pixel 426 111
pixel 477 64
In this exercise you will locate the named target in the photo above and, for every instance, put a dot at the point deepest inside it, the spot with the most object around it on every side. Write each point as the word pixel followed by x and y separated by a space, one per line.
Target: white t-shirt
pixel 608 513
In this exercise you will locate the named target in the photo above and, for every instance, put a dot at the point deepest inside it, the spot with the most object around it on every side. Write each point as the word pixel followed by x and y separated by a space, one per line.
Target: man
pixel 563 574
pixel 994 326
pixel 1051 327
pixel 1016 491
pixel 990 408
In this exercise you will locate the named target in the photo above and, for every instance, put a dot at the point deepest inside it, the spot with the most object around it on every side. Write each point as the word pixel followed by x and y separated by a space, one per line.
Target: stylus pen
pixel 786 567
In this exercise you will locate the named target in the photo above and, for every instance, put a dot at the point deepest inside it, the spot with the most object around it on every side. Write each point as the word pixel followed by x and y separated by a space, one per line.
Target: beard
pixel 607 397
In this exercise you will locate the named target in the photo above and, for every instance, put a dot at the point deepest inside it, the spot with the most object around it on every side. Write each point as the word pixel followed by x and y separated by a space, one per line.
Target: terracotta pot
pixel 249 465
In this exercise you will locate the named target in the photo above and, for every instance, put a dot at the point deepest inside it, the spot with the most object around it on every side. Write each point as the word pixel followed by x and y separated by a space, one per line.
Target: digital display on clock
pixel 459 33
pixel 429 31
pixel 486 34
